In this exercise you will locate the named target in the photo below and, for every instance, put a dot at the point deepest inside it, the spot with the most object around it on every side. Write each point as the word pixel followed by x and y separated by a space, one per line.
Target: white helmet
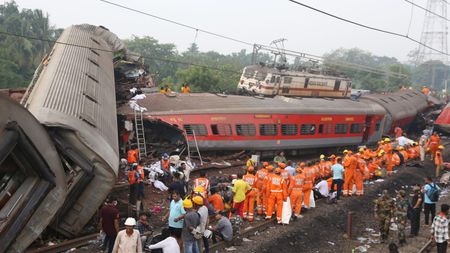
pixel 130 222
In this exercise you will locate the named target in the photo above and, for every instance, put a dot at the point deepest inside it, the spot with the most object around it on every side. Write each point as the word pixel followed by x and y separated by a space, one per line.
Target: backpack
pixel 433 193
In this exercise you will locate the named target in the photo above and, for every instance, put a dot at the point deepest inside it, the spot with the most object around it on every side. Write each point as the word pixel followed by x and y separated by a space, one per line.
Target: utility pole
pixel 434 33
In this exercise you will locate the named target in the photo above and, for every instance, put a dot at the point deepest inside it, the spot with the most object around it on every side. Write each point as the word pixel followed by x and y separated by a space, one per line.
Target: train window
pixel 278 79
pixel 249 73
pixel 272 79
pixel 377 126
pixel 356 128
pixel 325 128
pixel 197 129
pixel 308 129
pixel 337 85
pixel 260 76
pixel 340 129
pixel 268 129
pixel 306 82
pixel 245 130
pixel 221 129
pixel 289 129
pixel 287 79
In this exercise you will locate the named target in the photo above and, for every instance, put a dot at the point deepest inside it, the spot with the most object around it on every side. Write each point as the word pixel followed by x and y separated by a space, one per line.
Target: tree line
pixel 204 71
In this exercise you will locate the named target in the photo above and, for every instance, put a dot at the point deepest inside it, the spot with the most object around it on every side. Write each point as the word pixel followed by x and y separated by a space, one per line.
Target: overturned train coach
pixel 221 122
pixel 59 154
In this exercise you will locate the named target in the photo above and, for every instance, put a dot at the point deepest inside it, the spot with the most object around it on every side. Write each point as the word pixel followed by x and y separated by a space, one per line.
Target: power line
pixel 305 55
pixel 110 51
pixel 426 10
pixel 177 23
pixel 368 27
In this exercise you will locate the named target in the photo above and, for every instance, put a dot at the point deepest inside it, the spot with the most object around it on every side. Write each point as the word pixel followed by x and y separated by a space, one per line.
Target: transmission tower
pixel 434 33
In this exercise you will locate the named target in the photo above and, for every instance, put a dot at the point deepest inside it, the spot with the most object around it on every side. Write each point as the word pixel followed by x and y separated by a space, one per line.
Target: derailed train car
pixel 219 122
pixel 66 157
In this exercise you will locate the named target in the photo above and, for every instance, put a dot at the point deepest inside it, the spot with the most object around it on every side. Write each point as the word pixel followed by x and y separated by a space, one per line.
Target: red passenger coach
pixel 443 120
pixel 241 122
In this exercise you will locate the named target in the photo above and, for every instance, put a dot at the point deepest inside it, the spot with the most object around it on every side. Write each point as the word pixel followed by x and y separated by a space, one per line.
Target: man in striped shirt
pixel 439 229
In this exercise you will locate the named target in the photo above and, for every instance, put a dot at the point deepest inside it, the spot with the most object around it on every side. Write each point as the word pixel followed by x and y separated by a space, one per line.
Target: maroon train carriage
pixel 442 123
pixel 239 122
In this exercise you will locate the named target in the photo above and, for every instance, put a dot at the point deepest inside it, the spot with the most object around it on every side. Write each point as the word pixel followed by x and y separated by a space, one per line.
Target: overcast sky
pixel 259 21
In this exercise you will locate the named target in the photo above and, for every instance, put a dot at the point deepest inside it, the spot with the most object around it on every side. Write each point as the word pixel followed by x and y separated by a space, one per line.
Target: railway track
pixel 427 247
pixel 66 245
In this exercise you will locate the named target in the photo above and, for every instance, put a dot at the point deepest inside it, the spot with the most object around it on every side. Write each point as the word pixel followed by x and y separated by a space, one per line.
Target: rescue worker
pixel 276 189
pixel 404 153
pixel 295 192
pixel 185 88
pixel 249 204
pixel 401 210
pixel 132 156
pixel 438 160
pixel 165 162
pixel 260 197
pixel 350 165
pixel 423 146
pixel 433 144
pixel 203 182
pixel 270 170
pixel 285 174
pixel 240 188
pixel 308 184
pixel 388 153
pixel 384 206
pixel 359 174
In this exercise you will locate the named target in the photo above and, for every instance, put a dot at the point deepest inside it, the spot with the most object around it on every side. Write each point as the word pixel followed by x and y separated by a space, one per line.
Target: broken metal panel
pixel 31 177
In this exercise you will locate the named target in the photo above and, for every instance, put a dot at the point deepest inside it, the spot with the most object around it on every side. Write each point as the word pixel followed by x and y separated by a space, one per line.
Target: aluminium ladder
pixel 140 133
pixel 190 151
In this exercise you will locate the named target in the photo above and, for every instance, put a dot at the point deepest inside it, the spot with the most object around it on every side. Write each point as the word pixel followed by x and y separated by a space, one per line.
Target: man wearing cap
pixel 401 211
pixel 350 165
pixel 203 182
pixel 129 239
pixel 240 187
pixel 416 207
pixel 438 161
pixel 433 144
pixel 249 204
pixel 191 221
pixel 202 210
pixel 295 192
pixel 260 197
pixel 276 189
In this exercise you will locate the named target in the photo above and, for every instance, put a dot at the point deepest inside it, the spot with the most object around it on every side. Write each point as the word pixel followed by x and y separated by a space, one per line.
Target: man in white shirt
pixel 129 239
pixel 321 189
pixel 168 245
pixel 290 169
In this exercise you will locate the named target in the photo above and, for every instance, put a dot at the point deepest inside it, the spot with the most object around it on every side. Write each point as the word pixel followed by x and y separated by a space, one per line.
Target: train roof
pixel 207 103
pixel 289 72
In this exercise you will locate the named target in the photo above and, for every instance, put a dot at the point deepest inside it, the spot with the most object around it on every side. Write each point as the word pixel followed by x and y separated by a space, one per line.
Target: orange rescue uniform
pixel 249 202
pixel 261 195
pixel 309 173
pixel 350 164
pixel 295 193
pixel 276 188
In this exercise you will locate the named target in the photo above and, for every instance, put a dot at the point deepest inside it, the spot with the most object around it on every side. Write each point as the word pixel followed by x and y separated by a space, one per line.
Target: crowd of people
pixel 214 208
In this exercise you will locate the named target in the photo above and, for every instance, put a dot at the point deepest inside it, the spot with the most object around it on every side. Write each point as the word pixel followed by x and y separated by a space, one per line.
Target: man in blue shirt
pixel 338 179
pixel 176 210
pixel 429 204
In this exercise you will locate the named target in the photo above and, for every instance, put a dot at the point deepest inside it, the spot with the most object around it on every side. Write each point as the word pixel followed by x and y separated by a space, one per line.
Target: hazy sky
pixel 259 21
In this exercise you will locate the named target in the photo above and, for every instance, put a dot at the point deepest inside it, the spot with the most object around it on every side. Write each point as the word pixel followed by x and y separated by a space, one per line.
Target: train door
pixel 337 85
pixel 367 128
pixel 276 87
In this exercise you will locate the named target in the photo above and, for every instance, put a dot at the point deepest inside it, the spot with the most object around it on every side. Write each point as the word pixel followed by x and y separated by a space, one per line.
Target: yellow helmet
pixel 381 153
pixel 322 156
pixel 199 189
pixel 345 151
pixel 187 203
pixel 387 140
pixel 361 150
pixel 198 200
pixel 441 147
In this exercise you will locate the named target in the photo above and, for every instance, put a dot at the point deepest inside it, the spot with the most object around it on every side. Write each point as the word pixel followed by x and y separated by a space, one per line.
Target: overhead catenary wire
pixel 369 27
pixel 427 10
pixel 110 51
pixel 267 47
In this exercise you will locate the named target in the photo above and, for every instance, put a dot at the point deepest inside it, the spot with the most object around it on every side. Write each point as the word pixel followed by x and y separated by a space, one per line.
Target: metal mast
pixel 434 33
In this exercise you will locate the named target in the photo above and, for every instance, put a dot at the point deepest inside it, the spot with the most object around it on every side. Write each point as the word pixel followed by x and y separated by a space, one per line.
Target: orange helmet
pixel 299 170
pixel 265 164
pixel 250 169
pixel 350 152
pixel 302 164
pixel 270 168
pixel 278 170
pixel 282 165
pixel 332 156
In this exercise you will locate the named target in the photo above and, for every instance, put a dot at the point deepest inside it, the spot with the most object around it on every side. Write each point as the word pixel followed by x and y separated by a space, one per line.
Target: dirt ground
pixel 323 229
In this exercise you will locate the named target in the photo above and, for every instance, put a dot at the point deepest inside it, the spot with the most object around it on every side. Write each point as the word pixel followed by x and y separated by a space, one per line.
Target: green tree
pixel 199 78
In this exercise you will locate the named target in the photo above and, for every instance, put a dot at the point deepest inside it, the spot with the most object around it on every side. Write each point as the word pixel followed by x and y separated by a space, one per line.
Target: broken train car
pixel 59 154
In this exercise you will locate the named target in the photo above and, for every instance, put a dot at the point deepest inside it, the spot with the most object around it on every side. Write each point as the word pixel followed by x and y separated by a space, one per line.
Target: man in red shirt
pixel 109 223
